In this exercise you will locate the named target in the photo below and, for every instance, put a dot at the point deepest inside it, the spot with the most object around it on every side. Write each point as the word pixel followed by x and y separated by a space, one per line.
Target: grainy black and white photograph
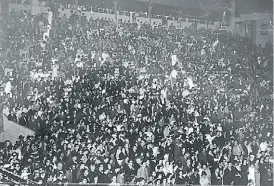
pixel 136 92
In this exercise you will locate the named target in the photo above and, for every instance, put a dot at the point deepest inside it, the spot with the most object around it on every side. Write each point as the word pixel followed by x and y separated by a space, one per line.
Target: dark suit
pixel 229 176
pixel 12 117
pixel 23 121
pixel 215 180
pixel 195 179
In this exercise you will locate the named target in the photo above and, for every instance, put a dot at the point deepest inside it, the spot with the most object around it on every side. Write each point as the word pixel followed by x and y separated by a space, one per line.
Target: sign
pixel 264 29
pixel 8 70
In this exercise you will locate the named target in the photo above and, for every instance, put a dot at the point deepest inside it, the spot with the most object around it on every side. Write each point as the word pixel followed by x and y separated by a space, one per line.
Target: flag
pixel 185 93
pixel 190 82
pixel 47 33
pixel 50 16
pixel 223 18
pixel 173 76
pixel 8 87
pixel 173 60
pixel 203 52
pixel 215 44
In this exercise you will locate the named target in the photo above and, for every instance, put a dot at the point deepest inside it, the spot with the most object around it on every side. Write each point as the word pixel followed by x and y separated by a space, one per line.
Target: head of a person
pixel 59 166
pixel 86 172
pixel 92 166
pixel 204 167
pixel 114 179
pixel 204 174
pixel 235 142
pixel 144 164
pixel 229 165
pixel 204 150
pixel 101 167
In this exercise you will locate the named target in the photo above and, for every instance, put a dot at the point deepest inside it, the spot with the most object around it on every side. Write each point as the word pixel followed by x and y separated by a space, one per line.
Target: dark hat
pixel 21 137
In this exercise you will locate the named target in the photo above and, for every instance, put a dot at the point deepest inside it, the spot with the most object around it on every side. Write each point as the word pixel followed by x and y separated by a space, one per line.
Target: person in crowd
pixel 204 181
pixel 112 106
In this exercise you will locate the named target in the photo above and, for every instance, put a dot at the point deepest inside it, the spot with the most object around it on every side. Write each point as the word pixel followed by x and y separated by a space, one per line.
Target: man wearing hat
pixel 23 120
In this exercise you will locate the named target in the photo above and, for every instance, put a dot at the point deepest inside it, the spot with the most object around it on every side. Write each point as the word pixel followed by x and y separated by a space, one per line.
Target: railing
pixel 93 184
pixel 14 179
pixel 36 9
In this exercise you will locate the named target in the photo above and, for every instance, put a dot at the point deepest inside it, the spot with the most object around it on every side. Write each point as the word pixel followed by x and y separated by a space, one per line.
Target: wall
pixel 259 27
pixel 35 9
pixel 240 29
pixel 253 31
pixel 12 131
pixel 182 25
pixel 264 32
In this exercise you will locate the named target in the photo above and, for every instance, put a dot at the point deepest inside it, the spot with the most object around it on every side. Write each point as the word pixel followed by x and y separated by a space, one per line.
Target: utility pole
pixel 232 6
pixel 149 11
pixel 180 16
pixel 1 115
pixel 76 15
pixel 115 2
pixel 30 6
pixel 207 21
pixel 76 3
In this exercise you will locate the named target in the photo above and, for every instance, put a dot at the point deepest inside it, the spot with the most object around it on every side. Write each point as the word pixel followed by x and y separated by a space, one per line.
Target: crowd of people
pixel 139 11
pixel 135 104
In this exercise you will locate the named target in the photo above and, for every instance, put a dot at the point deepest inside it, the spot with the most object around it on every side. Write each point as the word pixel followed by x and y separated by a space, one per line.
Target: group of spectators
pixel 135 104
